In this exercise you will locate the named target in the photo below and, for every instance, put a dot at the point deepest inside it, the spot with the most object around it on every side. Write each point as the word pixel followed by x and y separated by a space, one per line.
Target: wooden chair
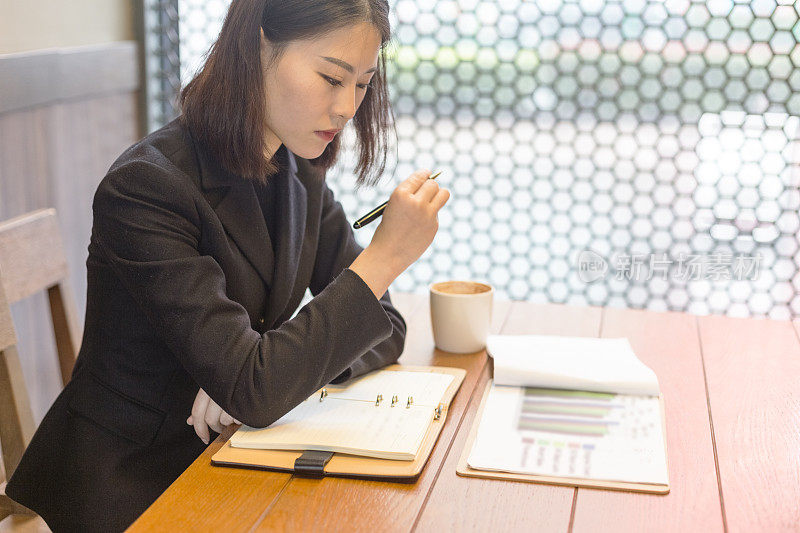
pixel 32 259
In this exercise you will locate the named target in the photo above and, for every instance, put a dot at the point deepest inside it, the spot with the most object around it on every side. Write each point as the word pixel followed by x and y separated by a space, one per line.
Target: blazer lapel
pixel 292 208
pixel 240 214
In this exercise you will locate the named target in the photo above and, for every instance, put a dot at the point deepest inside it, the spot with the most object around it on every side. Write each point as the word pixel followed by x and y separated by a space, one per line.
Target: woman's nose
pixel 345 105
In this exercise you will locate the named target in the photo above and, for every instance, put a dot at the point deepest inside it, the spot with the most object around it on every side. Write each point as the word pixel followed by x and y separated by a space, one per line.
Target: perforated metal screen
pixel 626 153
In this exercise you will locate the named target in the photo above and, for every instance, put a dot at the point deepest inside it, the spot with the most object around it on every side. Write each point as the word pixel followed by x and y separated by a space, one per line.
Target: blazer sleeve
pixel 336 250
pixel 148 228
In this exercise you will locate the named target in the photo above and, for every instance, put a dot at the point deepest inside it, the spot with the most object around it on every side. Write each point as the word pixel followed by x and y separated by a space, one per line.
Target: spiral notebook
pixel 383 424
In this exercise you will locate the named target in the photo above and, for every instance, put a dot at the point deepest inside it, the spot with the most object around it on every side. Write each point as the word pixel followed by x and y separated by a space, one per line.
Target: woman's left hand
pixel 207 414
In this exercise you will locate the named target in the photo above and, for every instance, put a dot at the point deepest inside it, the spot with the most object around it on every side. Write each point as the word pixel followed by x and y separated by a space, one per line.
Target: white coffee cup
pixel 461 312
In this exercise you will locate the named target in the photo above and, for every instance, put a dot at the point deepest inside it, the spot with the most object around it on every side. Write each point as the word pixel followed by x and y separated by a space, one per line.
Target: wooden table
pixel 732 394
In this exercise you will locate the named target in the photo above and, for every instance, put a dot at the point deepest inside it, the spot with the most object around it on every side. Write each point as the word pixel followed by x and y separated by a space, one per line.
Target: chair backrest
pixel 32 259
pixel 16 418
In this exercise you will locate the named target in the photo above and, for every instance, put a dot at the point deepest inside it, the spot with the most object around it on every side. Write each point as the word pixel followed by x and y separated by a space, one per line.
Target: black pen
pixel 378 211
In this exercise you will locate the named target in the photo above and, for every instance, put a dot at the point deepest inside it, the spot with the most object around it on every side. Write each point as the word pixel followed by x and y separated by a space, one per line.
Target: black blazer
pixel 184 291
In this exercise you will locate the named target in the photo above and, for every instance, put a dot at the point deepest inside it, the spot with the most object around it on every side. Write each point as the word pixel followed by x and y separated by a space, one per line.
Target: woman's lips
pixel 327 135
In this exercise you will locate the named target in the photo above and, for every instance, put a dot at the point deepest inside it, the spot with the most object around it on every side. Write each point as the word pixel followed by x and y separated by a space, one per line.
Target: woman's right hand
pixel 410 220
pixel 207 414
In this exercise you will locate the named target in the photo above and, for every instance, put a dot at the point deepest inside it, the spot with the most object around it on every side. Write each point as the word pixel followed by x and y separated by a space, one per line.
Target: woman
pixel 206 235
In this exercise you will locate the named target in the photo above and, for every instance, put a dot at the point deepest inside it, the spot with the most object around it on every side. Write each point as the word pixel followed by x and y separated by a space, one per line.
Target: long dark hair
pixel 224 105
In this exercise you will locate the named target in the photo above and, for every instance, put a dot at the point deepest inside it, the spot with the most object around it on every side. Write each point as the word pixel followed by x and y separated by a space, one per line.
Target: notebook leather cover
pixel 352 465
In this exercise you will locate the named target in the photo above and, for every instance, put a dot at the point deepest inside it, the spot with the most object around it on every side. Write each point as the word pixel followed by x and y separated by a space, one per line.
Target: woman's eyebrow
pixel 347 66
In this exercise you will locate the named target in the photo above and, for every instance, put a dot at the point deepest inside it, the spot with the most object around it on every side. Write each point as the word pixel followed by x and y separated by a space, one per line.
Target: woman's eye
pixel 338 83
pixel 332 81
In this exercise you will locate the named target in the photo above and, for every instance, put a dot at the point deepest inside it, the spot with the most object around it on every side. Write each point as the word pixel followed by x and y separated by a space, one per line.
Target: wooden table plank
pixel 342 504
pixel 229 499
pixel 668 343
pixel 459 503
pixel 214 498
pixel 753 377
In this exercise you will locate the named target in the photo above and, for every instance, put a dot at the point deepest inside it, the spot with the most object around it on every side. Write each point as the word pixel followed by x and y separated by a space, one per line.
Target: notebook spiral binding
pixel 437 412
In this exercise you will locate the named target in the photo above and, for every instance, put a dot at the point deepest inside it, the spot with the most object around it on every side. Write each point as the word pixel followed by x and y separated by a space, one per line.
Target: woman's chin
pixel 307 152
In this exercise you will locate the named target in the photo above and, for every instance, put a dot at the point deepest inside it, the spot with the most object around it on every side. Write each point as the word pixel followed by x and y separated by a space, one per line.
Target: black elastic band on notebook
pixel 312 463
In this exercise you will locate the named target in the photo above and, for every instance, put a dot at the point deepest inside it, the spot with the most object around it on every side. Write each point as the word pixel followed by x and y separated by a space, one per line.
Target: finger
pixel 440 199
pixel 213 412
pixel 201 429
pixel 198 414
pixel 225 419
pixel 200 403
pixel 427 191
pixel 414 181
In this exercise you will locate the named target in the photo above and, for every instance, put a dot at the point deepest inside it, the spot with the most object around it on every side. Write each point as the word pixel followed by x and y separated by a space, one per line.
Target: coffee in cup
pixel 461 312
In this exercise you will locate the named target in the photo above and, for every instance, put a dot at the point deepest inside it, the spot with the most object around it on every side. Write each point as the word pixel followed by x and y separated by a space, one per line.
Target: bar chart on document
pixel 583 434
pixel 573 434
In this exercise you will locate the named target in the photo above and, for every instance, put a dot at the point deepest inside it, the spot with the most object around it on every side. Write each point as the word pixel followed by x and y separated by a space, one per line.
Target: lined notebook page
pixel 344 426
pixel 348 421
pixel 427 388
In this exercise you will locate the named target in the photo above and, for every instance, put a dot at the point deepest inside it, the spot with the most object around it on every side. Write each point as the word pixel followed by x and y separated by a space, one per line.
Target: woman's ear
pixel 264 49
pixel 263 42
pixel 267 50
